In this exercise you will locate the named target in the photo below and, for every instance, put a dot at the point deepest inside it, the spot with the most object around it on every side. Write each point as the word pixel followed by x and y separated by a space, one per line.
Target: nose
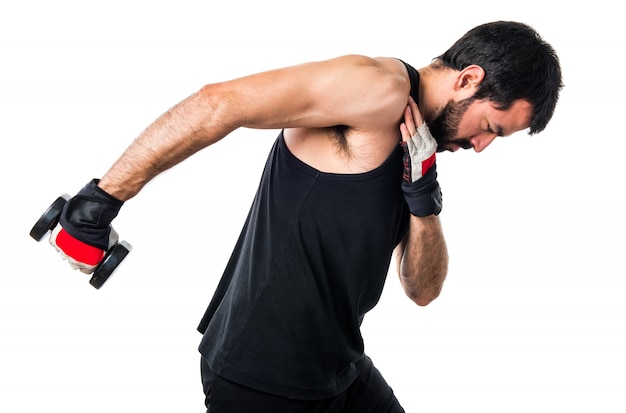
pixel 480 142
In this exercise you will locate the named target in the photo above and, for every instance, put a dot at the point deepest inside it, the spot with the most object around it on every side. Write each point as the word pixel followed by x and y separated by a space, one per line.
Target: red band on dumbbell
pixel 78 250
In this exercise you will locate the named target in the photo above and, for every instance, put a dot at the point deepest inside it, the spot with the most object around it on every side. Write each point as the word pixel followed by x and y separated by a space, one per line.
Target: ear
pixel 468 80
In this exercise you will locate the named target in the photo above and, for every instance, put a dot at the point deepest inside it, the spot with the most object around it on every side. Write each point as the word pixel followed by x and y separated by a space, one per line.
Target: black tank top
pixel 311 260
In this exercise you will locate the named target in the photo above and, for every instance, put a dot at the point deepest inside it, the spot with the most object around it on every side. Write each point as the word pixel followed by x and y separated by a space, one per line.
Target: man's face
pixel 445 126
pixel 474 124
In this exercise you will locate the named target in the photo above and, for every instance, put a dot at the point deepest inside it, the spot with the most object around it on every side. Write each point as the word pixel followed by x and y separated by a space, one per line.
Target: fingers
pixel 415 110
pixel 412 119
pixel 407 128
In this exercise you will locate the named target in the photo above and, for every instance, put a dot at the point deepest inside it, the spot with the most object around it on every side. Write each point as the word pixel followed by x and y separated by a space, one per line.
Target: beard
pixel 445 127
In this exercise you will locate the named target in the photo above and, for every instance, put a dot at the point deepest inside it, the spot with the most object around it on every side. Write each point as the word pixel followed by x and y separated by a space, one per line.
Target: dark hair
pixel 518 64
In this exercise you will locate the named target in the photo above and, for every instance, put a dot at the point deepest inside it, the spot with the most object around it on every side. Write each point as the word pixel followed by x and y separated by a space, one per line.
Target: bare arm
pixel 318 94
pixel 422 259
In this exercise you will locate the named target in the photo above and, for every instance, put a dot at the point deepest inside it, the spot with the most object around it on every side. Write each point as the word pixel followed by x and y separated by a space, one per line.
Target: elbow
pixel 423 293
pixel 424 297
pixel 217 109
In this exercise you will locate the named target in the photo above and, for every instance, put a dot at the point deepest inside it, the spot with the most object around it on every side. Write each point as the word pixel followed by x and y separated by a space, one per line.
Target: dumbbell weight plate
pixel 111 260
pixel 49 218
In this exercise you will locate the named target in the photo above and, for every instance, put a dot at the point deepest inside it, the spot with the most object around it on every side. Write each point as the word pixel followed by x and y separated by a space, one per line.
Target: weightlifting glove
pixel 84 232
pixel 419 179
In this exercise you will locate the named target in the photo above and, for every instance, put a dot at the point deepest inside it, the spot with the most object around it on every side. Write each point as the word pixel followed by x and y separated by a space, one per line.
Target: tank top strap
pixel 414 77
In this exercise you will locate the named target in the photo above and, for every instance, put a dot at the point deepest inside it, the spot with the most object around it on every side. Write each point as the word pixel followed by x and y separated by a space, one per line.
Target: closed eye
pixel 498 130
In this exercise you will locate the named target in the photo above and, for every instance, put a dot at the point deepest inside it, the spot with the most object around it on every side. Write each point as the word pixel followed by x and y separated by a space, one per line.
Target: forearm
pixel 422 259
pixel 191 125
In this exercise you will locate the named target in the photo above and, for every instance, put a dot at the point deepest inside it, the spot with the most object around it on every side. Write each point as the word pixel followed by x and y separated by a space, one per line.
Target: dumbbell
pixel 113 257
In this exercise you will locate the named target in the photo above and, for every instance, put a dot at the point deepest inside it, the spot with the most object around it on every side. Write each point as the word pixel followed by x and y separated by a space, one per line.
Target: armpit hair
pixel 339 134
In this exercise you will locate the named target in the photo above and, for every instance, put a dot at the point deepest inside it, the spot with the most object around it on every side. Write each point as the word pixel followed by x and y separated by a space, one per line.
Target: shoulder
pixel 384 73
pixel 375 90
pixel 362 113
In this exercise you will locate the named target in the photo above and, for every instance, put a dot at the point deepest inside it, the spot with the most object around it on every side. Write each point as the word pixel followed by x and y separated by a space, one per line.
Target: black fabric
pixel 88 215
pixel 369 393
pixel 414 77
pixel 311 260
pixel 424 195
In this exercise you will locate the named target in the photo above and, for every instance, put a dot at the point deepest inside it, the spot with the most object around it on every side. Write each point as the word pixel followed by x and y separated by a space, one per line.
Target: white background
pixel 532 317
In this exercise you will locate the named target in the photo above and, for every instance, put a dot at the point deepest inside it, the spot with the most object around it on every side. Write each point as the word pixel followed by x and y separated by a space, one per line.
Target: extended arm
pixel 311 95
pixel 318 94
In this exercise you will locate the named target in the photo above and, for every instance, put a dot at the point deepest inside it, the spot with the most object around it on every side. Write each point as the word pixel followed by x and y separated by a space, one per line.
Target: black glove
pixel 84 233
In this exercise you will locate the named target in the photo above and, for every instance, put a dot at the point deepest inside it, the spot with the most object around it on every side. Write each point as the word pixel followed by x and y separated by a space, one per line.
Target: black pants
pixel 370 393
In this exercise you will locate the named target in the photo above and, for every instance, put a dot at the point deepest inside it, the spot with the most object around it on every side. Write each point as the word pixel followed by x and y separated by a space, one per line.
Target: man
pixel 350 179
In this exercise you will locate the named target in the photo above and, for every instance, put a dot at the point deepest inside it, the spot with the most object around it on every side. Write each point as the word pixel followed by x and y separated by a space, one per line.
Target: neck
pixel 434 92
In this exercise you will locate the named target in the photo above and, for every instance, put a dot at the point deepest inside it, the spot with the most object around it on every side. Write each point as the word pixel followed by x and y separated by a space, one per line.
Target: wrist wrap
pixel 424 195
